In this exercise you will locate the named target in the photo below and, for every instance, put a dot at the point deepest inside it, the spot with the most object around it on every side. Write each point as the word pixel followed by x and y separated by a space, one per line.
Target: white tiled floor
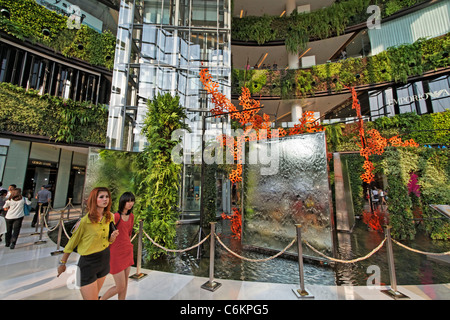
pixel 29 272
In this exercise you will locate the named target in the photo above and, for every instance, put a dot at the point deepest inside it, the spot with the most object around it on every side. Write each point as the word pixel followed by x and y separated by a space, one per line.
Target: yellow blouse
pixel 89 237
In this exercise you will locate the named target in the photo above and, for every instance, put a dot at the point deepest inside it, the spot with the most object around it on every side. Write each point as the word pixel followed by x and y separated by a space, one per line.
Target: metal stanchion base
pixel 54 253
pixel 395 294
pixel 40 242
pixel 211 286
pixel 138 276
pixel 302 293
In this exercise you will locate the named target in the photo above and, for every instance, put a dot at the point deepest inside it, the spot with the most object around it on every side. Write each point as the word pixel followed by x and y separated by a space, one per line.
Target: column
pixel 291 5
pixel 296 112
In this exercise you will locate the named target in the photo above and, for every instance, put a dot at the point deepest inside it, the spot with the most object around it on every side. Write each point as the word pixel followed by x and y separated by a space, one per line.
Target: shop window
pixel 3 154
pixel 440 93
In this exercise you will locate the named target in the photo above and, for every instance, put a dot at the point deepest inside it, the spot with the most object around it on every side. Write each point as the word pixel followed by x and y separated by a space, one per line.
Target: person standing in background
pixel 14 216
pixel 44 196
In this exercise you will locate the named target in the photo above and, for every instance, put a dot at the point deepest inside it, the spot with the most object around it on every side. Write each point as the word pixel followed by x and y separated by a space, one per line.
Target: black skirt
pixel 93 266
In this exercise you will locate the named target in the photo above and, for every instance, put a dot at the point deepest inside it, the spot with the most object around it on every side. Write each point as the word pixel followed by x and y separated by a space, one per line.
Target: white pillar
pixel 293 63
pixel 291 5
pixel 296 112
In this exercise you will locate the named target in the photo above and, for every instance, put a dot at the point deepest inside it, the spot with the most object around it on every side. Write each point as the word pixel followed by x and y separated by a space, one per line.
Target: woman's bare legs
pixel 90 291
pixel 121 280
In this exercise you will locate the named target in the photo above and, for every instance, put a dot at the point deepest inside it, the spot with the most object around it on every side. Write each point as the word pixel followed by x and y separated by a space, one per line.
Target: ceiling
pixel 323 50
pixel 271 7
pixel 280 110
pixel 101 11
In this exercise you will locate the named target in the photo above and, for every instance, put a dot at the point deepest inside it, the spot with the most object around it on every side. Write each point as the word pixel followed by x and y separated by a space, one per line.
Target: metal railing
pixel 302 292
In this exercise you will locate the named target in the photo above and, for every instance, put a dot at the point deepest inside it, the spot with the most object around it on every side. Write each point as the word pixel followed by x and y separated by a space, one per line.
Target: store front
pixel 31 165
pixel 39 173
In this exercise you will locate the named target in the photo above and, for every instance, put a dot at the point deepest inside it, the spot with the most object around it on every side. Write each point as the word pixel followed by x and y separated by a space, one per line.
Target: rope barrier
pixel 65 232
pixel 347 261
pixel 418 251
pixel 176 250
pixel 255 260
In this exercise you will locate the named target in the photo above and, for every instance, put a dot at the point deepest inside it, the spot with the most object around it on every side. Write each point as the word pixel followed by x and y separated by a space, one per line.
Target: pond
pixel 411 268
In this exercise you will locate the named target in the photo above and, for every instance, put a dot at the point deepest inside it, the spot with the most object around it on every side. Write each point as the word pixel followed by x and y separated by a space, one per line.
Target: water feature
pixel 411 268
pixel 296 193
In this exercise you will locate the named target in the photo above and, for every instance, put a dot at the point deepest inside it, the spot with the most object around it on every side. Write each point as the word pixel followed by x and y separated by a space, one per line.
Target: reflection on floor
pixel 29 272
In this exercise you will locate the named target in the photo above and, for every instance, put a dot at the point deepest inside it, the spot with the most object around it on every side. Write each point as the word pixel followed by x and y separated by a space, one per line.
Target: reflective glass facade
pixel 161 47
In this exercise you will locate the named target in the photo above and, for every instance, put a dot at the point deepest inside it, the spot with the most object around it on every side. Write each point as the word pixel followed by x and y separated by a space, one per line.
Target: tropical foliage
pixel 158 174
pixel 30 21
pixel 55 118
pixel 396 64
pixel 298 28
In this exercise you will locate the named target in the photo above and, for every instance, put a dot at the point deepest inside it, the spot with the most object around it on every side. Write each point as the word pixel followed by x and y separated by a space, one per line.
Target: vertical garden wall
pixel 406 207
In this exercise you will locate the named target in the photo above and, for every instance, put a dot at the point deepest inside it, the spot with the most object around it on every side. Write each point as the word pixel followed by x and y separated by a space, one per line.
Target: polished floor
pixel 28 272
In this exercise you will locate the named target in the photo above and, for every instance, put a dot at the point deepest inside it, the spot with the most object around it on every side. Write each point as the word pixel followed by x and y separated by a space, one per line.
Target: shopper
pixel 2 213
pixel 14 216
pixel 375 198
pixel 122 249
pixel 44 197
pixel 10 189
pixel 92 238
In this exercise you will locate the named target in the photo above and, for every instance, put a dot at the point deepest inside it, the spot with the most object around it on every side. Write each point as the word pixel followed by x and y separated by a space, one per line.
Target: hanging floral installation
pixel 255 127
pixel 374 220
pixel 370 144
pixel 373 143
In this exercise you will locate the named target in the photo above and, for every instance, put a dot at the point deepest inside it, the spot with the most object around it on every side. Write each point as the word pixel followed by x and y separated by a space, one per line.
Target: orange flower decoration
pixel 375 143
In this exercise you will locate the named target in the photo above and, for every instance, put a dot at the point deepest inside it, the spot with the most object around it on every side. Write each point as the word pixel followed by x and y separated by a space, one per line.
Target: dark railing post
pixel 139 275
pixel 393 293
pixel 211 285
pixel 301 293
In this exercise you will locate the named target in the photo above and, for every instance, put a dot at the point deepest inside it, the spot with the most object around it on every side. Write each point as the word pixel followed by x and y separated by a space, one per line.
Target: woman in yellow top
pixel 91 238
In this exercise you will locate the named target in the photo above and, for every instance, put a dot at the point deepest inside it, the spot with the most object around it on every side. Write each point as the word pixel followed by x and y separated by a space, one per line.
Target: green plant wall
pixel 63 120
pixel 28 19
pixel 396 64
pixel 433 169
pixel 297 29
pixel 158 174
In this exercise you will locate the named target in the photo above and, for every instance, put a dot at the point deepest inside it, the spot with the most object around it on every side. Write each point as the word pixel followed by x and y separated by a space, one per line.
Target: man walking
pixel 44 196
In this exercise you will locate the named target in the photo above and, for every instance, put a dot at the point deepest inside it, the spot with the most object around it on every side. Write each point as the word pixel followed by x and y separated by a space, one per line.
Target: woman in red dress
pixel 121 258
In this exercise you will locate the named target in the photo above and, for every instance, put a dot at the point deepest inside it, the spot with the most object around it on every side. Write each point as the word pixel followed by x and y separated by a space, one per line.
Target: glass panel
pixel 204 13
pixel 192 189
pixel 421 105
pixel 2 166
pixel 405 102
pixel 440 93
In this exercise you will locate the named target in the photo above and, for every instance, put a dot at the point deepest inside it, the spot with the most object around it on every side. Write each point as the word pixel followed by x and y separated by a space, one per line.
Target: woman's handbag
pixel 26 209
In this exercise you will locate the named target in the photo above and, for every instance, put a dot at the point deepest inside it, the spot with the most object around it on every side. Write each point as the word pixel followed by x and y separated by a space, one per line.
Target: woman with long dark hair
pixel 14 216
pixel 92 240
pixel 122 249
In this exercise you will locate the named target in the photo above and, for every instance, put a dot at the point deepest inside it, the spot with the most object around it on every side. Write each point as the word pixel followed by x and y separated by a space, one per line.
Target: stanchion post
pixel 58 243
pixel 211 285
pixel 139 275
pixel 301 293
pixel 68 208
pixel 38 220
pixel 393 293
pixel 41 222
